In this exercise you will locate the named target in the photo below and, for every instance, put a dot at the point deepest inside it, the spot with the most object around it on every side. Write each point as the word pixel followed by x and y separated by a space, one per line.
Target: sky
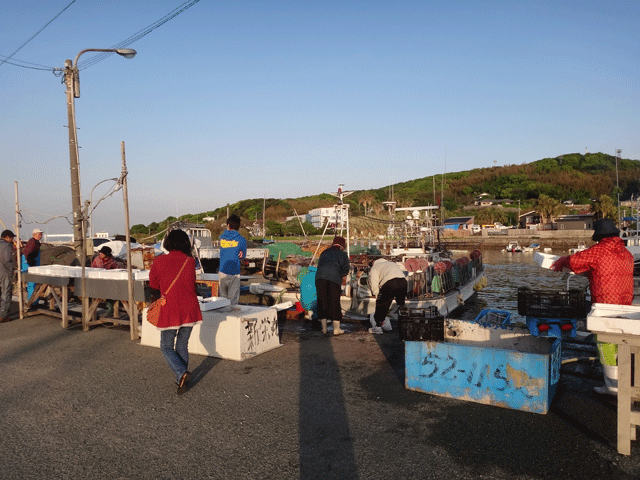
pixel 233 100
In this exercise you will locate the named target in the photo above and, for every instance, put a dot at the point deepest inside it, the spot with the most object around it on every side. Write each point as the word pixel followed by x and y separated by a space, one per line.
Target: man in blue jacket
pixel 233 248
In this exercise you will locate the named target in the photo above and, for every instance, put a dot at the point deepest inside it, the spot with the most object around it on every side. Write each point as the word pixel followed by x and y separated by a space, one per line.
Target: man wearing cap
pixel 609 267
pixel 105 260
pixel 31 257
pixel 7 267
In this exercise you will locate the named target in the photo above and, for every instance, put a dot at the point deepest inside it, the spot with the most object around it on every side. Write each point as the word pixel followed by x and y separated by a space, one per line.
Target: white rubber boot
pixel 336 328
pixel 610 381
pixel 324 325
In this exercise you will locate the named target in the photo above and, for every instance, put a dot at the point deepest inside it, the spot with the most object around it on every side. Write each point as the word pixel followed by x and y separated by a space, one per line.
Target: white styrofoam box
pixel 211 277
pixel 211 303
pixel 114 274
pixel 74 271
pixel 58 270
pixel 141 275
pixel 621 319
pixel 38 270
pixel 283 306
pixel 544 260
pixel 262 288
pixel 234 332
pixel 90 272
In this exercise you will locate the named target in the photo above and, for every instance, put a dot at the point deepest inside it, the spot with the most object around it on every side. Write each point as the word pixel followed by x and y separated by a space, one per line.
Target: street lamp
pixel 72 81
pixel 91 207
pixel 618 152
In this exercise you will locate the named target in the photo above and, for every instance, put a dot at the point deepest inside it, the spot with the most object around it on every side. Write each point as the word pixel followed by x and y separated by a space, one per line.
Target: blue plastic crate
pixel 555 327
pixel 489 316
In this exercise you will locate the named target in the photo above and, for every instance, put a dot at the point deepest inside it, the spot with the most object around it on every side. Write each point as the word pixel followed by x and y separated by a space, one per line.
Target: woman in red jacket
pixel 181 311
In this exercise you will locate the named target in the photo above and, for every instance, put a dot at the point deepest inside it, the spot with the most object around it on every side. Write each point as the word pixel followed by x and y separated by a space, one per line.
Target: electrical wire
pixel 34 36
pixel 92 60
pixel 138 35
pixel 37 67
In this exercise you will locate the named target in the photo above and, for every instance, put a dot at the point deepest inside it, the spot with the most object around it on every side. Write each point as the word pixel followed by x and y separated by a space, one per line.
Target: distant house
pixel 530 220
pixel 575 222
pixel 303 218
pixel 455 223
pixel 319 216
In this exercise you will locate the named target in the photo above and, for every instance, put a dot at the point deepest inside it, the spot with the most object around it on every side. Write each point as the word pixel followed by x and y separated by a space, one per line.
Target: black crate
pixel 552 304
pixel 420 324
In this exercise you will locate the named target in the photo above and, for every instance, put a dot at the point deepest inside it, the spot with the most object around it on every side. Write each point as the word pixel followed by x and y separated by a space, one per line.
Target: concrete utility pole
pixel 72 81
pixel 618 152
pixel 132 309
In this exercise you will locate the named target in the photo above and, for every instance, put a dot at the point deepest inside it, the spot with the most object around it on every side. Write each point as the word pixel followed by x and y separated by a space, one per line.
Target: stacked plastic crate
pixel 552 313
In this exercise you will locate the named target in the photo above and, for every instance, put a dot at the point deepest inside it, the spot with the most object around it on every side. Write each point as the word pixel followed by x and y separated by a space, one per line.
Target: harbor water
pixel 505 273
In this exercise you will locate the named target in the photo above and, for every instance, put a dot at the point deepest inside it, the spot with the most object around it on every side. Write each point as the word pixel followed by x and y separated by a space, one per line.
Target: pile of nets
pixel 285 249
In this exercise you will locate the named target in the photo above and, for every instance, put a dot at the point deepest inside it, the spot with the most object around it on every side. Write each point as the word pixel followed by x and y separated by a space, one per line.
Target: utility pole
pixel 133 309
pixel 18 255
pixel 71 76
pixel 618 152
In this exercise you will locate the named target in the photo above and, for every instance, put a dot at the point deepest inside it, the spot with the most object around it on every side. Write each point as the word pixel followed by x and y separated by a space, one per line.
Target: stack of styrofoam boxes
pixel 69 271
pixel 55 270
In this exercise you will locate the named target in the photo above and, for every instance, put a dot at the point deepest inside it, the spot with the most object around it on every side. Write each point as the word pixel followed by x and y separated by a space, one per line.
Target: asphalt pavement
pixel 93 405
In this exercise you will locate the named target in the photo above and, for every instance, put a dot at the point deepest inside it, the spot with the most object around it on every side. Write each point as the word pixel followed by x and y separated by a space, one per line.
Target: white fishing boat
pixel 531 248
pixel 434 276
pixel 432 280
pixel 579 248
pixel 513 247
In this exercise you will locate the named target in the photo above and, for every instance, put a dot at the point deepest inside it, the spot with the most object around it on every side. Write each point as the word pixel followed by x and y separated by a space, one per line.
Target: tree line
pixel 587 179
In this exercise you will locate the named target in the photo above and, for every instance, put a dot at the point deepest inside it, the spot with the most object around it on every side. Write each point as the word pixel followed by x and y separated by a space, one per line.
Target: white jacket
pixel 381 272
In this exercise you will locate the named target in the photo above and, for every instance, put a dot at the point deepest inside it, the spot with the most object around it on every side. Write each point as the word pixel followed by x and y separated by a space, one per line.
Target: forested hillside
pixel 575 176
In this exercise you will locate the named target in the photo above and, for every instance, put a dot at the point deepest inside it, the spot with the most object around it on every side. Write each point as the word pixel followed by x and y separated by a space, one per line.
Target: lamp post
pixel 72 81
pixel 90 207
pixel 618 152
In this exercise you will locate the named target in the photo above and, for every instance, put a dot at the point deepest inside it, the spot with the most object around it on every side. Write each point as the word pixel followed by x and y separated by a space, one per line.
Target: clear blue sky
pixel 243 99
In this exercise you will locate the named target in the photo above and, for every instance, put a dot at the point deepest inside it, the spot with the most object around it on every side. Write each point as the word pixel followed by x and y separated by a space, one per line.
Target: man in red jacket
pixel 609 267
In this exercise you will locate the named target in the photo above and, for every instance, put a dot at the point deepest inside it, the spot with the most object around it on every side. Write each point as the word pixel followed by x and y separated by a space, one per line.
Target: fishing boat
pixel 579 248
pixel 434 276
pixel 513 247
pixel 433 279
pixel 531 248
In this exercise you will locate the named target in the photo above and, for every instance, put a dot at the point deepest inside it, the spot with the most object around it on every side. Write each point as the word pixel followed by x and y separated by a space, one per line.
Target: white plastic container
pixel 212 303
pixel 544 260
pixel 620 319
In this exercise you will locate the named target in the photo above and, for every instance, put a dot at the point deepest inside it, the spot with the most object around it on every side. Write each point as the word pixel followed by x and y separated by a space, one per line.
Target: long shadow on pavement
pixel 326 444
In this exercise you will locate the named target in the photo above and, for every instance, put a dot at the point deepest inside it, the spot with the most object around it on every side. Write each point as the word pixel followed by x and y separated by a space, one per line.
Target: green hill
pixel 570 176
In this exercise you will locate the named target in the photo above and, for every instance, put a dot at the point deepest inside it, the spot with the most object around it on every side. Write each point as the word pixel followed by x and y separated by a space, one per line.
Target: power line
pixel 138 35
pixel 36 67
pixel 101 56
pixel 34 36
